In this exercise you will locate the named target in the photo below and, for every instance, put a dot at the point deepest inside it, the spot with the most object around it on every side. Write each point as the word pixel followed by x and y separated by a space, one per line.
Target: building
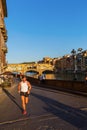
pixel 3 36
pixel 82 61
pixel 72 63
pixel 47 60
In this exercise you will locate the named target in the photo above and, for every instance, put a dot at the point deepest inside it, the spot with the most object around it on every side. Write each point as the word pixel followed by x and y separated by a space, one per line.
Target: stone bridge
pixel 35 67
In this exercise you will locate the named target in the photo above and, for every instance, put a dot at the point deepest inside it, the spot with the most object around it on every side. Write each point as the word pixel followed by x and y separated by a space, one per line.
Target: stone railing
pixel 75 86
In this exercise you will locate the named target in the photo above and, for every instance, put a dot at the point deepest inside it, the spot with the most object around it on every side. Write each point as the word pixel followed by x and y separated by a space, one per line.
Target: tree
pixel 73 52
pixel 80 50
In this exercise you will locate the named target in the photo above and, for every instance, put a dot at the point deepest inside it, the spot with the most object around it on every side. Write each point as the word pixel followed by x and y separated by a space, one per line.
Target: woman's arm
pixel 29 87
pixel 19 87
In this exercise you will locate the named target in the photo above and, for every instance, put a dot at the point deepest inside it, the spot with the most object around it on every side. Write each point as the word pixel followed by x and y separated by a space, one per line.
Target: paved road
pixel 47 110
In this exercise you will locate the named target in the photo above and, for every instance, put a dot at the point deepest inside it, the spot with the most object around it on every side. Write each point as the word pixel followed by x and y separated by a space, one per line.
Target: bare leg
pixel 23 103
pixel 26 100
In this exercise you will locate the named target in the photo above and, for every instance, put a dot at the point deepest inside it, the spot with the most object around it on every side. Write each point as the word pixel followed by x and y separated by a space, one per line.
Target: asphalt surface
pixel 47 110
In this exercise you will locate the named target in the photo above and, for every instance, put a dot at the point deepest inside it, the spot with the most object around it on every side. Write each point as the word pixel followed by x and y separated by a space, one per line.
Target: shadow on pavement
pixel 74 116
pixel 12 98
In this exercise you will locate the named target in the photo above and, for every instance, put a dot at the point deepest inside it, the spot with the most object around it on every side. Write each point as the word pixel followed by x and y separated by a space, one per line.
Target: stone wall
pixel 79 86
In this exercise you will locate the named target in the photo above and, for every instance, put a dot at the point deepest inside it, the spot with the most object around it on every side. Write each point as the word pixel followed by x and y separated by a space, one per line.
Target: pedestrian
pixel 43 76
pixel 20 76
pixel 40 78
pixel 24 89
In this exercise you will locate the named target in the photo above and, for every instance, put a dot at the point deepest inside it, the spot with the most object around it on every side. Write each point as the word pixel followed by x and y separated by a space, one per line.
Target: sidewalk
pixel 3 95
pixel 49 122
pixel 47 110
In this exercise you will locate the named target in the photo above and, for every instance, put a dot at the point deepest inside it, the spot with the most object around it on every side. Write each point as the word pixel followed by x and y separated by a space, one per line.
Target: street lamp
pixel 74 59
pixel 74 53
pixel 75 56
pixel 74 63
pixel 81 57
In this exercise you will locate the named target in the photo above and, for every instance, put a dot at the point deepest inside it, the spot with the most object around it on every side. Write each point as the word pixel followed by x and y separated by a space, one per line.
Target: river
pixel 60 76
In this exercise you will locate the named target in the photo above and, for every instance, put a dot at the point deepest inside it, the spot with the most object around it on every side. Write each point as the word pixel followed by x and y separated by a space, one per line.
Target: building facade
pixel 72 63
pixel 3 36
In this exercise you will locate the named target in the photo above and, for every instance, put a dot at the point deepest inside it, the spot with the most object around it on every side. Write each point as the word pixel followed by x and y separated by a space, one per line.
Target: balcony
pixel 3 29
pixel 5 38
pixel 4 32
pixel 2 25
pixel 5 49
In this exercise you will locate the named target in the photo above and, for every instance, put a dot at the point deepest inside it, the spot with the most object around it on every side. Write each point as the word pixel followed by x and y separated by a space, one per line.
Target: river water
pixel 60 76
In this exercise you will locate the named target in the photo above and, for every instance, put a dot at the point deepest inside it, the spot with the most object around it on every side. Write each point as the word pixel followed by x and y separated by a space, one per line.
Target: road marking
pixel 49 118
pixel 45 127
pixel 83 109
pixel 27 118
pixel 13 121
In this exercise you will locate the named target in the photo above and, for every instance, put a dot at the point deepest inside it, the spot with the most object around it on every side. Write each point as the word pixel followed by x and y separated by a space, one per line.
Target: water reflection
pixel 65 76
pixel 60 76
pixel 30 73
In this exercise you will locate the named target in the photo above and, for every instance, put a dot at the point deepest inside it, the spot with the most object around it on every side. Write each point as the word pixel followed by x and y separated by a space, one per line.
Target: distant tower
pixel 3 36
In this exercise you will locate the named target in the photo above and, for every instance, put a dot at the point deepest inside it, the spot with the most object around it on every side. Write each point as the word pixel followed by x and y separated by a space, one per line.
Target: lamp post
pixel 73 52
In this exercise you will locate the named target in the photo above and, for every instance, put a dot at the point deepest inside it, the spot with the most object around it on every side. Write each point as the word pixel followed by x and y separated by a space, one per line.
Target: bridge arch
pixel 47 71
pixel 32 71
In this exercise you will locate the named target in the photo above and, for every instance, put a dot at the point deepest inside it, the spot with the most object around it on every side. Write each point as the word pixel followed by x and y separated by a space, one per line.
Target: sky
pixel 45 28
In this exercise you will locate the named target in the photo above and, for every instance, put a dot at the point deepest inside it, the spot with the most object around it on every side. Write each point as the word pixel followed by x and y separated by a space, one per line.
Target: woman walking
pixel 24 89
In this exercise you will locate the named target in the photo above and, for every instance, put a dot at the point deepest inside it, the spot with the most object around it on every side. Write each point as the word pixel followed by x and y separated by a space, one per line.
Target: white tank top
pixel 24 86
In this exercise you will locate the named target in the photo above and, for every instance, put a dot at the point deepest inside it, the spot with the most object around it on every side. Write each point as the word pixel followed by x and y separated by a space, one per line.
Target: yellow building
pixel 3 36
pixel 70 63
